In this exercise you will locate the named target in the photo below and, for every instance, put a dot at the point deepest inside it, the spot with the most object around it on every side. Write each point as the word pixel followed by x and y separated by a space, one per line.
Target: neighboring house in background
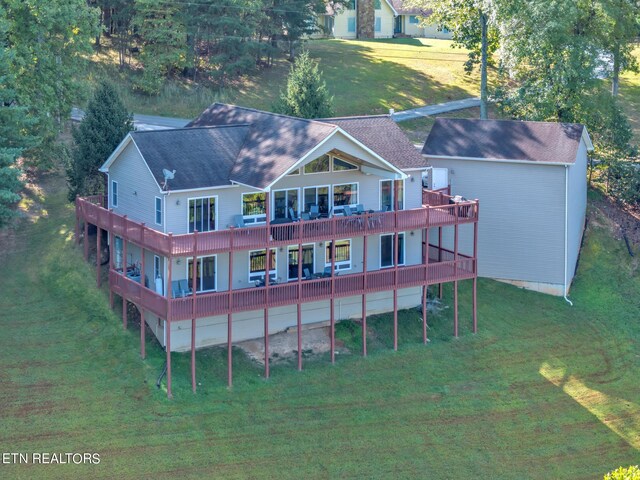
pixel 248 222
pixel 391 19
pixel 531 179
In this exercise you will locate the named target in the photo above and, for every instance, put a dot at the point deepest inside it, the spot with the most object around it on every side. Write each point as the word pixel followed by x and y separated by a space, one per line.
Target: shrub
pixel 622 473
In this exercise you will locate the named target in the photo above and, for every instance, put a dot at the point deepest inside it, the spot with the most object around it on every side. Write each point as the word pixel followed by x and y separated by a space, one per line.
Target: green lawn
pixel 545 390
pixel 629 95
pixel 365 77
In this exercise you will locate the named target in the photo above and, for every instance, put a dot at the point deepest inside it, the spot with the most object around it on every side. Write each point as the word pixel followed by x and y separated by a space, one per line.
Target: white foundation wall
pixel 249 325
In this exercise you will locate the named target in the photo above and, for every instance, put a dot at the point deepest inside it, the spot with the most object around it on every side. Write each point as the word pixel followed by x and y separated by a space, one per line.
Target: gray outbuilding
pixel 531 180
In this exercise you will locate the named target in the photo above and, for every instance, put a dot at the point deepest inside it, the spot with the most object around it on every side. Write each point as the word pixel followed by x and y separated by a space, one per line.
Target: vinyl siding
pixel 137 188
pixel 229 201
pixel 577 208
pixel 521 224
pixel 386 20
pixel 341 23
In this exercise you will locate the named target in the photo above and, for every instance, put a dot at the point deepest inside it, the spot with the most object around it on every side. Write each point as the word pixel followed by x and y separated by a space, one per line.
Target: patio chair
pixel 346 210
pixel 327 272
pixel 359 208
pixel 176 292
pixel 238 221
pixel 307 274
pixel 184 287
pixel 314 212
pixel 305 216
pixel 293 215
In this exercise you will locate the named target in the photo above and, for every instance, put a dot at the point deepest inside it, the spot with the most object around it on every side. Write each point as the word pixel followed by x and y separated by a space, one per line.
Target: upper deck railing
pixel 437 212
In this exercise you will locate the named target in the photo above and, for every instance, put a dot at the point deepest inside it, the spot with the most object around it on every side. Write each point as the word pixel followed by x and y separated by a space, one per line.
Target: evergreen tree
pixel 105 124
pixel 306 95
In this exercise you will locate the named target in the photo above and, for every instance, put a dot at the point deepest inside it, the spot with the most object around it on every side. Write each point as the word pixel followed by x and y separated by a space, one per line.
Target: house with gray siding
pixel 246 223
pixel 531 179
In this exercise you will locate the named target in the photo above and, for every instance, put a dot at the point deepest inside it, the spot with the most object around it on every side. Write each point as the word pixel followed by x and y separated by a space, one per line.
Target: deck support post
pixel 299 306
pixel 143 339
pixel 124 272
pixel 230 315
pixel 455 308
pixel 475 269
pixel 85 241
pixel 396 259
pixel 267 269
pixel 455 273
pixel 167 326
pixel 440 259
pixel 364 290
pixel 332 319
pixel 194 288
pixel 143 253
pixel 98 256
pixel 266 343
pixel 424 314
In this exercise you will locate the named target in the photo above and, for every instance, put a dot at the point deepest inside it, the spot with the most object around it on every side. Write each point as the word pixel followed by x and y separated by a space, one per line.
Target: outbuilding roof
pixel 544 142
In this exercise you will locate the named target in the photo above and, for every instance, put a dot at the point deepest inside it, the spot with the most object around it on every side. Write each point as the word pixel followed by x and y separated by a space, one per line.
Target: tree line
pixel 205 40
pixel 551 58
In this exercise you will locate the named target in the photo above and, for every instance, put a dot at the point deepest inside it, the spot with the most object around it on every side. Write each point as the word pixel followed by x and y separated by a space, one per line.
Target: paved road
pixel 154 122
pixel 436 109
pixel 143 122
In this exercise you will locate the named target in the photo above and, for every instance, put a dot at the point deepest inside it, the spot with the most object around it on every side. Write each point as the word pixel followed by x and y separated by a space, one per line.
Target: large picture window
pixel 202 214
pixel 387 247
pixel 317 196
pixel 343 254
pixel 319 165
pixel 285 202
pixel 345 194
pixel 258 261
pixel 254 207
pixel 205 274
pixel 307 261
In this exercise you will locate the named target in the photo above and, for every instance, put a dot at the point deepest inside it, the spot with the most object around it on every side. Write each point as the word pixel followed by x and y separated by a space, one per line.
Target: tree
pixel 306 94
pixel 470 22
pixel 45 44
pixel 13 124
pixel 620 29
pixel 104 126
pixel 622 473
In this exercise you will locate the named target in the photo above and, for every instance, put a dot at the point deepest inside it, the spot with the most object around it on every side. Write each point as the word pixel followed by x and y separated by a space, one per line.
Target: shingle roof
pixel 273 144
pixel 400 7
pixel 228 144
pixel 201 157
pixel 544 142
pixel 383 136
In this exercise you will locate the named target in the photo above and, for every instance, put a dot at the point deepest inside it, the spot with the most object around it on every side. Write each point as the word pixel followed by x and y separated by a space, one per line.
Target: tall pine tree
pixel 306 95
pixel 105 124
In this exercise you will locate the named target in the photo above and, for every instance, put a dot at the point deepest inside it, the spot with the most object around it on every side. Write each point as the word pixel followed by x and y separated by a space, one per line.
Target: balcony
pixel 438 211
pixel 255 298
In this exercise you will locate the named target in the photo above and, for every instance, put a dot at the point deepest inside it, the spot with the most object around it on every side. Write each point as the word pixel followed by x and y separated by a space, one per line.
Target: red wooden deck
pixel 256 298
pixel 91 210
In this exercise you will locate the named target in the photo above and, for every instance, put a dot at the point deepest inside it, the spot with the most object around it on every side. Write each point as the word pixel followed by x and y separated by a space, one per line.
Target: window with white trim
pixel 284 202
pixel 340 165
pixel 206 274
pixel 318 196
pixel 343 254
pixel 202 214
pixel 254 207
pixel 344 194
pixel 386 195
pixel 158 211
pixel 258 261
pixel 307 261
pixel 387 249
pixel 114 193
pixel 319 165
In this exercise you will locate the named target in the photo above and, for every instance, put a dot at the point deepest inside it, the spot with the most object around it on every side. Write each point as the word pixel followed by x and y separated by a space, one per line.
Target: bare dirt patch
pixel 283 346
pixel 623 221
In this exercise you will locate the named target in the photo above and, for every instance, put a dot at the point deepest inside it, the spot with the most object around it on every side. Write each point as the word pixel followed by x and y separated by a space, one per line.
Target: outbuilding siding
pixel 577 208
pixel 521 236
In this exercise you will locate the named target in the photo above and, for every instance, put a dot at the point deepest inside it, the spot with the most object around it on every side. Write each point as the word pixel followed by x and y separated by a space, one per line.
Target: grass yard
pixel 365 77
pixel 629 95
pixel 545 390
